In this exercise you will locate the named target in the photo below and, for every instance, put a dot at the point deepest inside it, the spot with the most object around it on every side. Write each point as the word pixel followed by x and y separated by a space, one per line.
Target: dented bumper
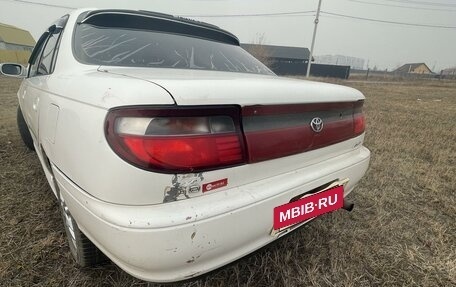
pixel 183 239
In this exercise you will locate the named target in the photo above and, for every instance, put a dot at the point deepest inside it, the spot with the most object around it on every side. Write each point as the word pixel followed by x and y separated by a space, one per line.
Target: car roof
pixel 147 20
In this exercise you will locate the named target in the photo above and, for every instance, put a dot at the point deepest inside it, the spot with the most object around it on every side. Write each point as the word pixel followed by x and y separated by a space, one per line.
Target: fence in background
pixel 367 74
pixel 316 70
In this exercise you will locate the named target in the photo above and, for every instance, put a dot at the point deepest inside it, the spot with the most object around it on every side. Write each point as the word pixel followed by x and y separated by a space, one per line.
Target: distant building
pixel 16 44
pixel 353 62
pixel 414 68
pixel 278 54
pixel 293 61
pixel 449 72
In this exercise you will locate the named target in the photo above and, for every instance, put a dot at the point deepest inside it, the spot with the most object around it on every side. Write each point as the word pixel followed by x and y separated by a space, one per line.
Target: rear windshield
pixel 142 48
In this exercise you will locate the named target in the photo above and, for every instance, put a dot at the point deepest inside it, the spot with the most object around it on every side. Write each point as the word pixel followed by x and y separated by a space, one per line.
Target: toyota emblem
pixel 316 124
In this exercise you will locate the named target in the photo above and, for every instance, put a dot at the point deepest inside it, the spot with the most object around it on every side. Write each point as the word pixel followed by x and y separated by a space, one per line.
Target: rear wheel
pixel 83 250
pixel 24 131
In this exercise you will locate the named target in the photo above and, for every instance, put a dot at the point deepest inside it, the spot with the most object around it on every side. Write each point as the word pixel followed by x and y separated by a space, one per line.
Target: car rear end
pixel 227 168
pixel 179 189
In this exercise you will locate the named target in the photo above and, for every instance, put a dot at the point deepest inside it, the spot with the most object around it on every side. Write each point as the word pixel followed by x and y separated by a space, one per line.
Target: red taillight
pixel 172 139
pixel 359 123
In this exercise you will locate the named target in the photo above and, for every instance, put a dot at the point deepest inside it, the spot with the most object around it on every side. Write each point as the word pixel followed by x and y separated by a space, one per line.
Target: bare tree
pixel 260 52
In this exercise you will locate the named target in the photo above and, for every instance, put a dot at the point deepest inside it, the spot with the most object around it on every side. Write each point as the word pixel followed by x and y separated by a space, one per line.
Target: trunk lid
pixel 200 87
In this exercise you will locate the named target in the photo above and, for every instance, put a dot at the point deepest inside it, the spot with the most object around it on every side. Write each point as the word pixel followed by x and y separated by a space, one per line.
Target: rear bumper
pixel 183 239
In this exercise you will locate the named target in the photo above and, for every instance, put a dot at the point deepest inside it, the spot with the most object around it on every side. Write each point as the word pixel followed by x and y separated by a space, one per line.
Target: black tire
pixel 24 131
pixel 84 252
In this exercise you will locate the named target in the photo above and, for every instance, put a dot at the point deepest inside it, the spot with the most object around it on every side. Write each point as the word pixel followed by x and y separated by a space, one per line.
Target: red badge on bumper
pixel 215 184
pixel 308 207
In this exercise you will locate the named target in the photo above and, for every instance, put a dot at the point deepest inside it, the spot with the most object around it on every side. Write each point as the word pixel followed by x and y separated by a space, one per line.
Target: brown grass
pixel 401 233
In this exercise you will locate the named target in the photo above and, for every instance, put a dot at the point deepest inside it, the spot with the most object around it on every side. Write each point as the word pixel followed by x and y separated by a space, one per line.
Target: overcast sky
pixel 383 45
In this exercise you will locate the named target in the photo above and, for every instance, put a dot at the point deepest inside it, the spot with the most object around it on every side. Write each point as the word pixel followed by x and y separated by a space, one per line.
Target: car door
pixel 28 93
pixel 41 66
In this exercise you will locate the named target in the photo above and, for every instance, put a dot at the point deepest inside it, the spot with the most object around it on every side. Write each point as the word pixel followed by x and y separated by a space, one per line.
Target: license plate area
pixel 305 207
pixel 319 189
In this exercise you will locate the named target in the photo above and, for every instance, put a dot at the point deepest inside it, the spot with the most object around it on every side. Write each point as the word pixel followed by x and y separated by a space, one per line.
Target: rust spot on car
pixel 193 259
pixel 174 250
pixel 182 185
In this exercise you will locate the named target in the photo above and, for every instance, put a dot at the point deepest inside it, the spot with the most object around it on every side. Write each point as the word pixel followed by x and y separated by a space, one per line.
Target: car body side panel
pixel 79 148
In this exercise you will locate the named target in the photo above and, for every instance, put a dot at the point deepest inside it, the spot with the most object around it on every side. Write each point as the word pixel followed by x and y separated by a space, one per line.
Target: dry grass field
pixel 402 231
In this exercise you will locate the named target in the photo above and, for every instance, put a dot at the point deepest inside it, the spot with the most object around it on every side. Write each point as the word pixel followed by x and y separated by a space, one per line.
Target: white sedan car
pixel 173 151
